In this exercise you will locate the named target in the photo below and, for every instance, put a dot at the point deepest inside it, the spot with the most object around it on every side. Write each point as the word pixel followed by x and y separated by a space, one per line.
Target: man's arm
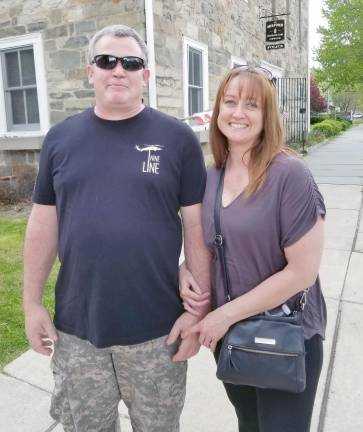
pixel 198 262
pixel 40 250
pixel 197 256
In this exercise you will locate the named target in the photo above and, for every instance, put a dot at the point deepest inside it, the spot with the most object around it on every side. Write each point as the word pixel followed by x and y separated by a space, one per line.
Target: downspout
pixel 149 24
pixel 308 75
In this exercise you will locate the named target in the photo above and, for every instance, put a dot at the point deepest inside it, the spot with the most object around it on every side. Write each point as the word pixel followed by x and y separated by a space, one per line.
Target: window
pixel 23 105
pixel 195 77
pixel 20 87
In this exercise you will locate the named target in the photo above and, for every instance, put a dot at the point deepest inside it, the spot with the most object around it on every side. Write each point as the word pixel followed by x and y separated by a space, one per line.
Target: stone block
pixel 85 27
pixel 76 42
pixel 55 16
pixel 50 45
pixel 58 105
pixel 60 95
pixel 129 19
pixel 15 11
pixel 75 14
pixel 203 36
pixel 172 102
pixel 56 32
pixel 158 7
pixel 84 94
pixel 77 74
pixel 65 59
pixel 73 105
pixel 11 31
pixel 37 26
pixel 57 116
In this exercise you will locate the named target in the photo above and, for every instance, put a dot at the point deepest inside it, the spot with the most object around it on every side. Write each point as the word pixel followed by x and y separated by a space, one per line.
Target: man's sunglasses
pixel 258 70
pixel 129 63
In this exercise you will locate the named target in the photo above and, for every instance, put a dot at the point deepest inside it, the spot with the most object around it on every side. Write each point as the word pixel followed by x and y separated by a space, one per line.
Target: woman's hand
pixel 211 328
pixel 194 300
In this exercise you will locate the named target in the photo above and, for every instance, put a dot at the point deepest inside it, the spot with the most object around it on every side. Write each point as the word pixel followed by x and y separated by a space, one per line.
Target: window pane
pixel 32 105
pixel 27 67
pixel 195 67
pixel 12 69
pixel 17 107
pixel 195 100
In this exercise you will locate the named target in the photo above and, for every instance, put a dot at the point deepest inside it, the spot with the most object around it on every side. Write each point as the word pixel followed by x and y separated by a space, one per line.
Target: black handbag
pixel 266 350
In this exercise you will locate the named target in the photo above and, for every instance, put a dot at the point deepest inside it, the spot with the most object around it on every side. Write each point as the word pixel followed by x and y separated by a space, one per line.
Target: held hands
pixel 39 329
pixel 211 329
pixel 194 300
pixel 189 346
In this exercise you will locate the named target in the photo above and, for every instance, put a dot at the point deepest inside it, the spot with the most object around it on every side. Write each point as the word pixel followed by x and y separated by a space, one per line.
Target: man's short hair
pixel 117 30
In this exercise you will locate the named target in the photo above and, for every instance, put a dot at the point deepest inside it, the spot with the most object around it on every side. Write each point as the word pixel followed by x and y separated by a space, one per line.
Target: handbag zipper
pixel 230 347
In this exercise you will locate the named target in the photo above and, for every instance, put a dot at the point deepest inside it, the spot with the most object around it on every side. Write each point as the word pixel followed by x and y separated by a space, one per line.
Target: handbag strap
pixel 220 244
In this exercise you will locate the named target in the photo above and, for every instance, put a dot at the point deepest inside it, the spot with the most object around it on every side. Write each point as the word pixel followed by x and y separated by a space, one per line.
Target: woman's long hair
pixel 254 84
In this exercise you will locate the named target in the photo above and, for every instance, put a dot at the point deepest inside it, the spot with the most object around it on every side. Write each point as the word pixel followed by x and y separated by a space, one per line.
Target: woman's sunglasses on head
pixel 129 63
pixel 258 70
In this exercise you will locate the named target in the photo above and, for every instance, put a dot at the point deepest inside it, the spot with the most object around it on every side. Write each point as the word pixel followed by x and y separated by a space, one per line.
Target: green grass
pixel 12 336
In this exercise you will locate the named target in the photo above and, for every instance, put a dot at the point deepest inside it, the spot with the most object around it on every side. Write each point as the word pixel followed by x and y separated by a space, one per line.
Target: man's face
pixel 117 89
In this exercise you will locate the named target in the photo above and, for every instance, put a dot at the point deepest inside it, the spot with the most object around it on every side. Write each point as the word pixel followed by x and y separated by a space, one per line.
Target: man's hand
pixel 210 329
pixel 39 329
pixel 194 300
pixel 189 346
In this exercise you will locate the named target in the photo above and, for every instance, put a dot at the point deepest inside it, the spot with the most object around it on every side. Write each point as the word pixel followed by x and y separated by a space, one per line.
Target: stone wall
pixel 228 28
pixel 66 27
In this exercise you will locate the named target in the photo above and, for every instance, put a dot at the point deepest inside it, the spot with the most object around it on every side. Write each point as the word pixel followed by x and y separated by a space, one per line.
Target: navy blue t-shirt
pixel 118 187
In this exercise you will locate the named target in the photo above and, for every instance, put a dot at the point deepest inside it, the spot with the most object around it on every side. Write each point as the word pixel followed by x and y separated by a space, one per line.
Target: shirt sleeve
pixel 193 172
pixel 44 190
pixel 301 203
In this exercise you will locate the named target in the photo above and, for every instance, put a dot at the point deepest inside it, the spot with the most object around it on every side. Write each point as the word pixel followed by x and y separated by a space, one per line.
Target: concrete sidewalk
pixel 26 383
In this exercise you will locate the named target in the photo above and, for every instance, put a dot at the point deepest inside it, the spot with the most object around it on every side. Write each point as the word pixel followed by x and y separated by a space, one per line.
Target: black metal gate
pixel 293 106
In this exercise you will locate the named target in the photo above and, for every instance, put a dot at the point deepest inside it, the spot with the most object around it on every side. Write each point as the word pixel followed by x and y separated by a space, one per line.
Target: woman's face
pixel 240 116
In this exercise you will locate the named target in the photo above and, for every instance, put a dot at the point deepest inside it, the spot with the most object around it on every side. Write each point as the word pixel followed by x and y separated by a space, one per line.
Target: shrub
pixel 315 119
pixel 20 186
pixel 324 128
pixel 344 123
pixel 315 136
pixel 329 127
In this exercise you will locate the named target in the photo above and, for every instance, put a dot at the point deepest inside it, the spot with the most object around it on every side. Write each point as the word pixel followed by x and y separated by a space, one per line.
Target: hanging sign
pixel 274 46
pixel 275 30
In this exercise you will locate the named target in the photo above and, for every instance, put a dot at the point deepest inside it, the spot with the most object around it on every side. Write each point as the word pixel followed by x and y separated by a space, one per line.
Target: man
pixel 110 185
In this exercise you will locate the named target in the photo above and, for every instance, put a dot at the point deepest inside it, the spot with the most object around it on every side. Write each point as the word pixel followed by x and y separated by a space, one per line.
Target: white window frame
pixel 237 60
pixel 34 40
pixel 204 49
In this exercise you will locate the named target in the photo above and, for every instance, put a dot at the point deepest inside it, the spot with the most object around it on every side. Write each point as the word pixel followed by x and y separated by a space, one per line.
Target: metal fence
pixel 293 101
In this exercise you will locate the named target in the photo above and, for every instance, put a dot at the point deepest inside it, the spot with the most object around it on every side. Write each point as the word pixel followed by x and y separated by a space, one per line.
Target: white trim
pixel 35 40
pixel 149 24
pixel 308 126
pixel 276 71
pixel 237 60
pixel 204 49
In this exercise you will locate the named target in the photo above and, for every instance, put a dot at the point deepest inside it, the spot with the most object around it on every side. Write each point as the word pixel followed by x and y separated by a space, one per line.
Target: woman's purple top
pixel 257 229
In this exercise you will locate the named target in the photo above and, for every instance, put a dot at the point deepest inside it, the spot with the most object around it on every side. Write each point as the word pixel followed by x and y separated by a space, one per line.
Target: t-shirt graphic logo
pixel 152 164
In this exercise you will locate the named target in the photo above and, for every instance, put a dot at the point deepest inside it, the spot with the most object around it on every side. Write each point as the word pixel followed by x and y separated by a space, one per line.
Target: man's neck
pixel 117 113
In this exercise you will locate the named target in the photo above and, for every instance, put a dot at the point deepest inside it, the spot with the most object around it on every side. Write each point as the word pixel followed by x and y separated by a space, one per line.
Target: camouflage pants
pixel 90 382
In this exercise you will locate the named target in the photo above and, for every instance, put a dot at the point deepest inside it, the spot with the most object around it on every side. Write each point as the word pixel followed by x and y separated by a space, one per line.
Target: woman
pixel 272 222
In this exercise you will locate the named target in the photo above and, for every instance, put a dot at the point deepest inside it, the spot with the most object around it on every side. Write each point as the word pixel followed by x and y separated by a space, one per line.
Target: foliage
pixel 315 136
pixel 341 50
pixel 12 337
pixel 317 101
pixel 328 127
pixel 349 100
